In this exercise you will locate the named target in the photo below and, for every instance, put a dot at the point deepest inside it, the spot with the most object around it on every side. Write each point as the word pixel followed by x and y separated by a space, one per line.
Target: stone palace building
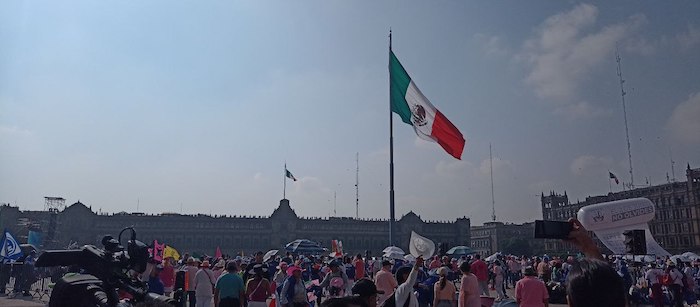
pixel 676 225
pixel 234 234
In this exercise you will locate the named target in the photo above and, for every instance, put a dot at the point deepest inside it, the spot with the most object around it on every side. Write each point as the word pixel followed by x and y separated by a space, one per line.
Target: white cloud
pixel 689 40
pixel 586 164
pixel 684 123
pixel 565 50
pixel 14 131
pixel 452 168
pixel 491 45
pixel 582 110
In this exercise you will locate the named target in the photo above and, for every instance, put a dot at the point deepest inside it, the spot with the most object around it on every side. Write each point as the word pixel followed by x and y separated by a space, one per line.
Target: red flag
pixel 217 254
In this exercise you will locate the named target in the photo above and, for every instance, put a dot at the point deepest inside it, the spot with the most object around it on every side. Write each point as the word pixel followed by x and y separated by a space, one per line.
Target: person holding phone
pixel 591 280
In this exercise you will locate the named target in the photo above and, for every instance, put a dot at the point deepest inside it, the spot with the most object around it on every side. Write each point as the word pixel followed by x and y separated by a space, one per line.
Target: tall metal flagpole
pixel 391 160
pixel 284 177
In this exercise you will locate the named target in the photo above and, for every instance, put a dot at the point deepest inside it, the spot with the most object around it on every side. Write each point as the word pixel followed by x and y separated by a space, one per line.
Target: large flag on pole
pixel 612 176
pixel 10 248
pixel 416 110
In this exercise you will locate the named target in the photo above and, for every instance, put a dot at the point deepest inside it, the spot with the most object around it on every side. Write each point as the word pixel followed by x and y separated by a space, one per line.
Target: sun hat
pixel 258 268
pixel 205 264
pixel 220 264
pixel 283 266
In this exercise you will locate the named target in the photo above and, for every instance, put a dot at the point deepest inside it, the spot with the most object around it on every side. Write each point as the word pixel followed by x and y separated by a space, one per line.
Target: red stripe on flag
pixel 447 135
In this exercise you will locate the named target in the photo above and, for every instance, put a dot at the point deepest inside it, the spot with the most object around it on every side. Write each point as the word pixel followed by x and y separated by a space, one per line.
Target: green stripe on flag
pixel 399 81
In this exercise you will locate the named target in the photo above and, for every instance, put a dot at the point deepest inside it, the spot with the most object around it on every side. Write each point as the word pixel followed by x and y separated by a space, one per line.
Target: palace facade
pixel 233 234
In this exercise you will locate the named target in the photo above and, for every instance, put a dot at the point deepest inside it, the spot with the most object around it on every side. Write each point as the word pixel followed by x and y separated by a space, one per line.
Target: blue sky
pixel 197 105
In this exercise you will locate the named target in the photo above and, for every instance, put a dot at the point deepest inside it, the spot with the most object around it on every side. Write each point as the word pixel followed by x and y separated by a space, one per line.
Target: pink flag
pixel 158 251
pixel 217 254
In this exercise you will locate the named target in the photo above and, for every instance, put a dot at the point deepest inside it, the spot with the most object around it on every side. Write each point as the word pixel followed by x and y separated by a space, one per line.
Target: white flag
pixel 421 246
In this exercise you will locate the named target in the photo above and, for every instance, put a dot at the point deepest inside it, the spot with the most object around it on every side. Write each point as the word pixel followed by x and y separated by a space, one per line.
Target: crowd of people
pixel 298 280
pixel 294 280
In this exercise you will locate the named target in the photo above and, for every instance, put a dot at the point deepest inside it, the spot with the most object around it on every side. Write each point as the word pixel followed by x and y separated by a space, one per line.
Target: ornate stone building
pixel 676 225
pixel 203 233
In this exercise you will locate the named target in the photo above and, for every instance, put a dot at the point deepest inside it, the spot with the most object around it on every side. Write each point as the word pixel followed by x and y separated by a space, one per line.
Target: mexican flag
pixel 416 110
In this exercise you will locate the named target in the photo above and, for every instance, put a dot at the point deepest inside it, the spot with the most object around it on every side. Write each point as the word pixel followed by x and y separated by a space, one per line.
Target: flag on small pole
pixel 11 250
pixel 612 176
pixel 287 174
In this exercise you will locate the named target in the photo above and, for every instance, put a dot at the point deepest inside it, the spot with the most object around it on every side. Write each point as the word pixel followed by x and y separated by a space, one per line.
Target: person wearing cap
pixel 335 271
pixel 204 285
pixel 190 271
pixel 367 291
pixel 444 290
pixel 293 292
pixel 229 289
pixel 155 285
pixel 385 282
pixel 530 291
pixel 279 277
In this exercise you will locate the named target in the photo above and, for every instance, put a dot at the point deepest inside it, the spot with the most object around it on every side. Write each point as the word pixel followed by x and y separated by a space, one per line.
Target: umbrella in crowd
pixel 393 252
pixel 304 246
pixel 458 251
pixel 492 257
pixel 690 255
pixel 271 253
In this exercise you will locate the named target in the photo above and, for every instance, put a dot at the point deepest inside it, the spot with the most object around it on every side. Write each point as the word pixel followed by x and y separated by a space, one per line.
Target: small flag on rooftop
pixel 289 174
pixel 612 176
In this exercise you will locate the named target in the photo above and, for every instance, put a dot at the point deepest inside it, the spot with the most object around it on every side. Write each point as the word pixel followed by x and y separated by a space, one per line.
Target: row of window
pixel 672 228
pixel 675 214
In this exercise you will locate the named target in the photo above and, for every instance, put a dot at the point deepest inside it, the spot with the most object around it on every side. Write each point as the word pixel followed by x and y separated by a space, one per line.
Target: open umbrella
pixel 492 257
pixel 271 253
pixel 459 251
pixel 394 255
pixel 304 246
pixel 393 249
pixel 691 255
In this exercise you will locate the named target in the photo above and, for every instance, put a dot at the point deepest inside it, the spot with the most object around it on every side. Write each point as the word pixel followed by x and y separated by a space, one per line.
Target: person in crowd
pixel 366 290
pixel 257 260
pixel 592 281
pixel 167 276
pixel 444 290
pixel 480 270
pixel 293 290
pixel 219 268
pixel 204 285
pixel 155 284
pixel 676 285
pixel 190 271
pixel 498 280
pixel 530 291
pixel 544 271
pixel 469 288
pixel 385 282
pixel 406 278
pixel 229 289
pixel 359 267
pixel 280 276
pixel 335 271
pixel 258 287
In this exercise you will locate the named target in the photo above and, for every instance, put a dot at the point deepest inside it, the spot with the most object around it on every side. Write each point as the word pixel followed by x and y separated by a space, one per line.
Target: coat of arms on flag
pixel 10 248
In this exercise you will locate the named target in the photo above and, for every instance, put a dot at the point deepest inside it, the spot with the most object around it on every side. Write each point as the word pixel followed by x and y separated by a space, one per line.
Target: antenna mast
pixel 673 165
pixel 335 214
pixel 493 201
pixel 624 112
pixel 357 185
